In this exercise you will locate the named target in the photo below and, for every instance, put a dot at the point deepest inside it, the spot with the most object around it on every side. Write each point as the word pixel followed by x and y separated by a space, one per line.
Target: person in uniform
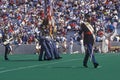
pixel 55 50
pixel 87 32
pixel 48 49
pixel 44 52
pixel 6 44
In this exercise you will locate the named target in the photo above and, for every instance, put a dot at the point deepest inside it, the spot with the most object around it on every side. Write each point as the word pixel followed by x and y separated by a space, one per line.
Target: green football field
pixel 27 67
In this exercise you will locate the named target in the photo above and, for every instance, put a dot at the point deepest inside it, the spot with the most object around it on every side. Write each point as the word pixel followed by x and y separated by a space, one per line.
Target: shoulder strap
pixel 90 29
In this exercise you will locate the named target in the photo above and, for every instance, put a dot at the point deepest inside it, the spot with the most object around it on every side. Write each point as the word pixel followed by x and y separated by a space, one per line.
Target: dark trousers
pixel 89 53
pixel 55 50
pixel 50 48
pixel 44 51
pixel 7 50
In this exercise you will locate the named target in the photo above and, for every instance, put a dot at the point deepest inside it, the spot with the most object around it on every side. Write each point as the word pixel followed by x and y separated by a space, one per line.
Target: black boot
pixel 96 65
pixel 58 58
pixel 85 65
pixel 6 59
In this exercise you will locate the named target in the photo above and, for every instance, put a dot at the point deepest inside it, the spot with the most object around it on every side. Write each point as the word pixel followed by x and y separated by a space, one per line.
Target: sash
pixel 90 29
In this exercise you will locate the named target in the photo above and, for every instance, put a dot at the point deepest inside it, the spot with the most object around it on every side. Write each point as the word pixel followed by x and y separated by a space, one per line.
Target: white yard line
pixel 34 66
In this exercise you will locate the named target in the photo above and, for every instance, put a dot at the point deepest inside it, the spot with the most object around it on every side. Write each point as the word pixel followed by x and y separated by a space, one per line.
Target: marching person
pixel 55 50
pixel 6 44
pixel 44 52
pixel 88 39
pixel 52 48
pixel 49 45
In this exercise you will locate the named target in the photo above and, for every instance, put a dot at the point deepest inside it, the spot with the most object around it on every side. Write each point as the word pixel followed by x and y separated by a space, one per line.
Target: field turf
pixel 27 67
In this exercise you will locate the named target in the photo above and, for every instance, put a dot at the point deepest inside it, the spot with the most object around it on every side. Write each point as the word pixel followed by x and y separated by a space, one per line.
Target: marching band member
pixel 88 39
pixel 6 43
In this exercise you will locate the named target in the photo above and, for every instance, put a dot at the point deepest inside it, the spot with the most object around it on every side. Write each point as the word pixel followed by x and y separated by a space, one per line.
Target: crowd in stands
pixel 23 18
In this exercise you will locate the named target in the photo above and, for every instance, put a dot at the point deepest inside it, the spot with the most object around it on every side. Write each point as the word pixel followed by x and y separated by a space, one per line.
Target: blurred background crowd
pixel 23 18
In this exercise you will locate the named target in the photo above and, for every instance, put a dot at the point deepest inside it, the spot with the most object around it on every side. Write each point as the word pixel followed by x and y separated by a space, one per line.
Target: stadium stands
pixel 23 18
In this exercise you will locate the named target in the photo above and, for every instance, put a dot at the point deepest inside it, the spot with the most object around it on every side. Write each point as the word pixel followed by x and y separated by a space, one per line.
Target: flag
pixel 50 16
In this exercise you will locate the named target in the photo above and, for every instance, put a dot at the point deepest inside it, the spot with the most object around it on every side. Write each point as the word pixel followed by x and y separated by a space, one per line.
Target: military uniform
pixel 44 52
pixel 7 47
pixel 88 43
pixel 55 50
